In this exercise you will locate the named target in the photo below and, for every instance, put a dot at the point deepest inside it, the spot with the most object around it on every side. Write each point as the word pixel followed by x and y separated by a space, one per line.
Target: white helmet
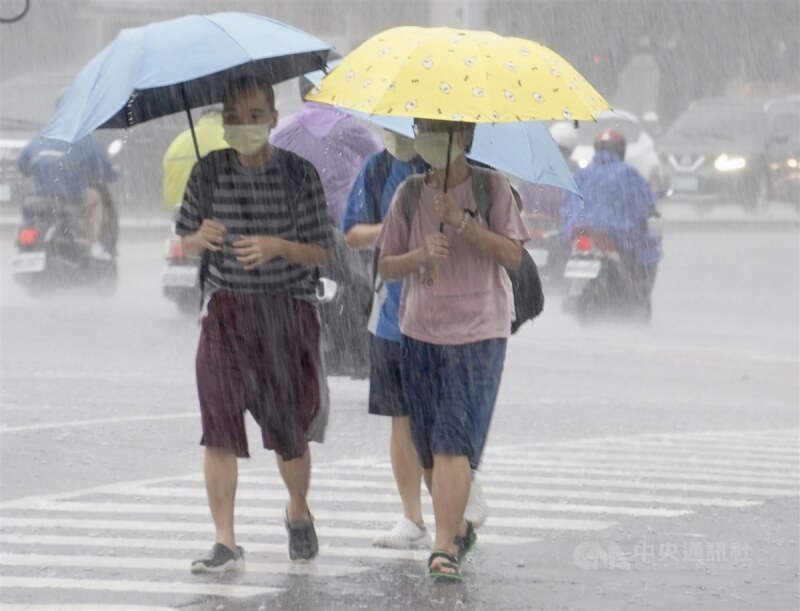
pixel 565 135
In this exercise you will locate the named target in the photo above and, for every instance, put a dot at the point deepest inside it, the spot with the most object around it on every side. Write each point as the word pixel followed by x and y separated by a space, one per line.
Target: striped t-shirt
pixel 256 201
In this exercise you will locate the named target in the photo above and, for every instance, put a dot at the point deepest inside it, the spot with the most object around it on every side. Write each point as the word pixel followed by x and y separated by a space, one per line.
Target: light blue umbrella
pixel 173 66
pixel 525 150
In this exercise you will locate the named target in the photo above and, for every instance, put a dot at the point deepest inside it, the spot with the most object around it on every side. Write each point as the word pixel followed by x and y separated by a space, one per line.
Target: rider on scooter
pixel 618 202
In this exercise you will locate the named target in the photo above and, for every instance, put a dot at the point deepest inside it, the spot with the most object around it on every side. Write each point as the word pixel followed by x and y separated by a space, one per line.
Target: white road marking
pixel 709 445
pixel 654 448
pixel 199 546
pixel 278 530
pixel 611 455
pixel 356 516
pixel 170 564
pixel 150 587
pixel 266 496
pixel 71 424
pixel 61 607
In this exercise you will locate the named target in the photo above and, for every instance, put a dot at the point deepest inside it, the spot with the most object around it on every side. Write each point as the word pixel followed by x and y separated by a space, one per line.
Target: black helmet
pixel 610 140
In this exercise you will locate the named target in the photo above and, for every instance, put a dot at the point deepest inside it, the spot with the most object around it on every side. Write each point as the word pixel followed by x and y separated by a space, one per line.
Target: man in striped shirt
pixel 258 216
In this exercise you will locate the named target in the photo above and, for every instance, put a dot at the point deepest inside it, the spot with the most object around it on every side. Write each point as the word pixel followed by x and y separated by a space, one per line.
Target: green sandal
pixel 467 542
pixel 450 562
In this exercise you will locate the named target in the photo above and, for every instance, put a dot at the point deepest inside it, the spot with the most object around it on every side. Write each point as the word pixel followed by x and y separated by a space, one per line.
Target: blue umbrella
pixel 175 65
pixel 525 150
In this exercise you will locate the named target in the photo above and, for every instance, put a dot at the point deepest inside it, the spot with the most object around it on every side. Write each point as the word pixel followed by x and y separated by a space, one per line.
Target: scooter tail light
pixel 583 244
pixel 176 249
pixel 28 236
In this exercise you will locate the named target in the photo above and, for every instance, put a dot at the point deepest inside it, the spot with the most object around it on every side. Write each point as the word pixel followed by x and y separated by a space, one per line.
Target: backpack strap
pixel 412 191
pixel 377 174
pixel 482 191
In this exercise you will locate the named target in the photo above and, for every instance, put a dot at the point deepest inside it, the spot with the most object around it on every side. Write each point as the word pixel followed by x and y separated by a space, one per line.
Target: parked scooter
pixel 53 249
pixel 603 281
pixel 545 246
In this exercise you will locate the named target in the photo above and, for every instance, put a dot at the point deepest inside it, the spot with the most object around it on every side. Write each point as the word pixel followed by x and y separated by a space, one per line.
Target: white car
pixel 640 150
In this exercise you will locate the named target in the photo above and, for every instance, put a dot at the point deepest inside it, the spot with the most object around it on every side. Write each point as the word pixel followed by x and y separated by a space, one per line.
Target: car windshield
pixel 587 130
pixel 740 123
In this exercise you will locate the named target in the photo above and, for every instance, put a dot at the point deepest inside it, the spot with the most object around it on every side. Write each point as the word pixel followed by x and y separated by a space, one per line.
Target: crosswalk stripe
pixel 487 474
pixel 356 516
pixel 169 564
pixel 708 444
pixel 643 447
pixel 264 496
pixel 502 491
pixel 530 465
pixel 150 587
pixel 641 473
pixel 268 529
pixel 596 457
pixel 197 546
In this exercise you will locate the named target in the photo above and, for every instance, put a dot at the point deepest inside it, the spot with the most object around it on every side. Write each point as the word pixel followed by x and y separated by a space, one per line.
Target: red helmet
pixel 610 140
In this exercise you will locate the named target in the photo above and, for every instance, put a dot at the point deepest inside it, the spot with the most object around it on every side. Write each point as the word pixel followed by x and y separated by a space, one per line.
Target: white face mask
pixel 247 139
pixel 399 147
pixel 432 147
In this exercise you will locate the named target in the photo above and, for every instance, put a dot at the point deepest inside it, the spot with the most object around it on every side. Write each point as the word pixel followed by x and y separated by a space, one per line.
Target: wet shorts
pixel 385 381
pixel 259 353
pixel 451 392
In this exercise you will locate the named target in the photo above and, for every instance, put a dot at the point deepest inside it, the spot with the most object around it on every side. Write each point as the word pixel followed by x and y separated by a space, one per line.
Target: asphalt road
pixel 628 466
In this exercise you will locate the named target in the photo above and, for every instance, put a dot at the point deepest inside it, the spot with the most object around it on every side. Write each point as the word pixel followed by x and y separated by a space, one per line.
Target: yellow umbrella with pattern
pixel 458 75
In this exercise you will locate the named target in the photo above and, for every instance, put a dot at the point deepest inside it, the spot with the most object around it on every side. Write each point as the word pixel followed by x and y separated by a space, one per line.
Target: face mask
pixel 432 147
pixel 399 147
pixel 246 139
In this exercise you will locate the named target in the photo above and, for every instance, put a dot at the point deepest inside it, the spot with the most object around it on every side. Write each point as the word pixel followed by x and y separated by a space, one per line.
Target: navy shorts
pixel 385 381
pixel 450 392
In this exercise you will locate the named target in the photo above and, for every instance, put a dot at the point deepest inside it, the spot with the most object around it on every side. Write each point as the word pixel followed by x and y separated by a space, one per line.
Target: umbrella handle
pixel 447 168
pixel 191 121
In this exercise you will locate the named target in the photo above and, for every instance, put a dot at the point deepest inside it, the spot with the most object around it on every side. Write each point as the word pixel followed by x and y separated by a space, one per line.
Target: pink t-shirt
pixel 471 300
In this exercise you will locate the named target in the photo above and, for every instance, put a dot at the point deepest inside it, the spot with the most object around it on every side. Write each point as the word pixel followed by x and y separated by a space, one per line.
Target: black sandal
pixel 450 562
pixel 467 542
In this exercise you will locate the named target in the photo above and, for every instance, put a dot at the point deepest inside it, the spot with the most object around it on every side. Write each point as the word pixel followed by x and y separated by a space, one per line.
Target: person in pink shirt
pixel 455 317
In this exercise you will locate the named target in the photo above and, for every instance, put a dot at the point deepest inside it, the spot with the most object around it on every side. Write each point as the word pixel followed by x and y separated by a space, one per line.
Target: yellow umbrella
pixel 458 75
pixel 180 156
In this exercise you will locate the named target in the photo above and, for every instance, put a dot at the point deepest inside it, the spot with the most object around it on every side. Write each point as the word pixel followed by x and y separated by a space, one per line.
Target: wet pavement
pixel 628 467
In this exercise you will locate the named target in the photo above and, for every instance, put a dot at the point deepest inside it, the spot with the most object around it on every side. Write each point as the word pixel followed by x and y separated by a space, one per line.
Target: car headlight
pixel 582 163
pixel 115 147
pixel 793 163
pixel 729 164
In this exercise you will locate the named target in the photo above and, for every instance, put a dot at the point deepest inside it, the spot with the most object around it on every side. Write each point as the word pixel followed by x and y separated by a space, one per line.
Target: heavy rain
pixel 384 186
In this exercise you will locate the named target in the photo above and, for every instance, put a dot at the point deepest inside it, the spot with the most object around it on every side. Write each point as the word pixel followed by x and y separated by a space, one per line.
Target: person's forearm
pixel 396 267
pixel 502 250
pixel 192 245
pixel 362 235
pixel 304 254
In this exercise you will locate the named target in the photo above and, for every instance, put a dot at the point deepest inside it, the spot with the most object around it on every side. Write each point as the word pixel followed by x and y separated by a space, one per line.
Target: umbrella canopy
pixel 180 156
pixel 458 75
pixel 525 150
pixel 174 65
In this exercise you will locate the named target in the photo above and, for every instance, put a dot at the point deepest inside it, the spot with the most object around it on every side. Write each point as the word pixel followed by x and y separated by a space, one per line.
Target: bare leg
pixel 406 468
pixel 94 214
pixel 222 474
pixel 296 474
pixel 452 478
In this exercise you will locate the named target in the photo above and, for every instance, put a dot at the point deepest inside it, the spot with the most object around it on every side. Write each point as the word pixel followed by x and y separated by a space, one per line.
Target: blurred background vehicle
pixel 641 150
pixel 734 149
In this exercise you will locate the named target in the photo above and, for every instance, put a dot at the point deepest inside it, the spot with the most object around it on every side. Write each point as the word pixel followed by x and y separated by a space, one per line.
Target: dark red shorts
pixel 259 353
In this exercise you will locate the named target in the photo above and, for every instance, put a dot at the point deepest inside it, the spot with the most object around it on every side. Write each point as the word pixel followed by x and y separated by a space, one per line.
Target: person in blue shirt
pixel 74 174
pixel 618 202
pixel 367 205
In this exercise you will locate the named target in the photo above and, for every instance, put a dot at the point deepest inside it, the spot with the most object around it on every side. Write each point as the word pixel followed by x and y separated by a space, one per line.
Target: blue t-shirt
pixel 360 210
